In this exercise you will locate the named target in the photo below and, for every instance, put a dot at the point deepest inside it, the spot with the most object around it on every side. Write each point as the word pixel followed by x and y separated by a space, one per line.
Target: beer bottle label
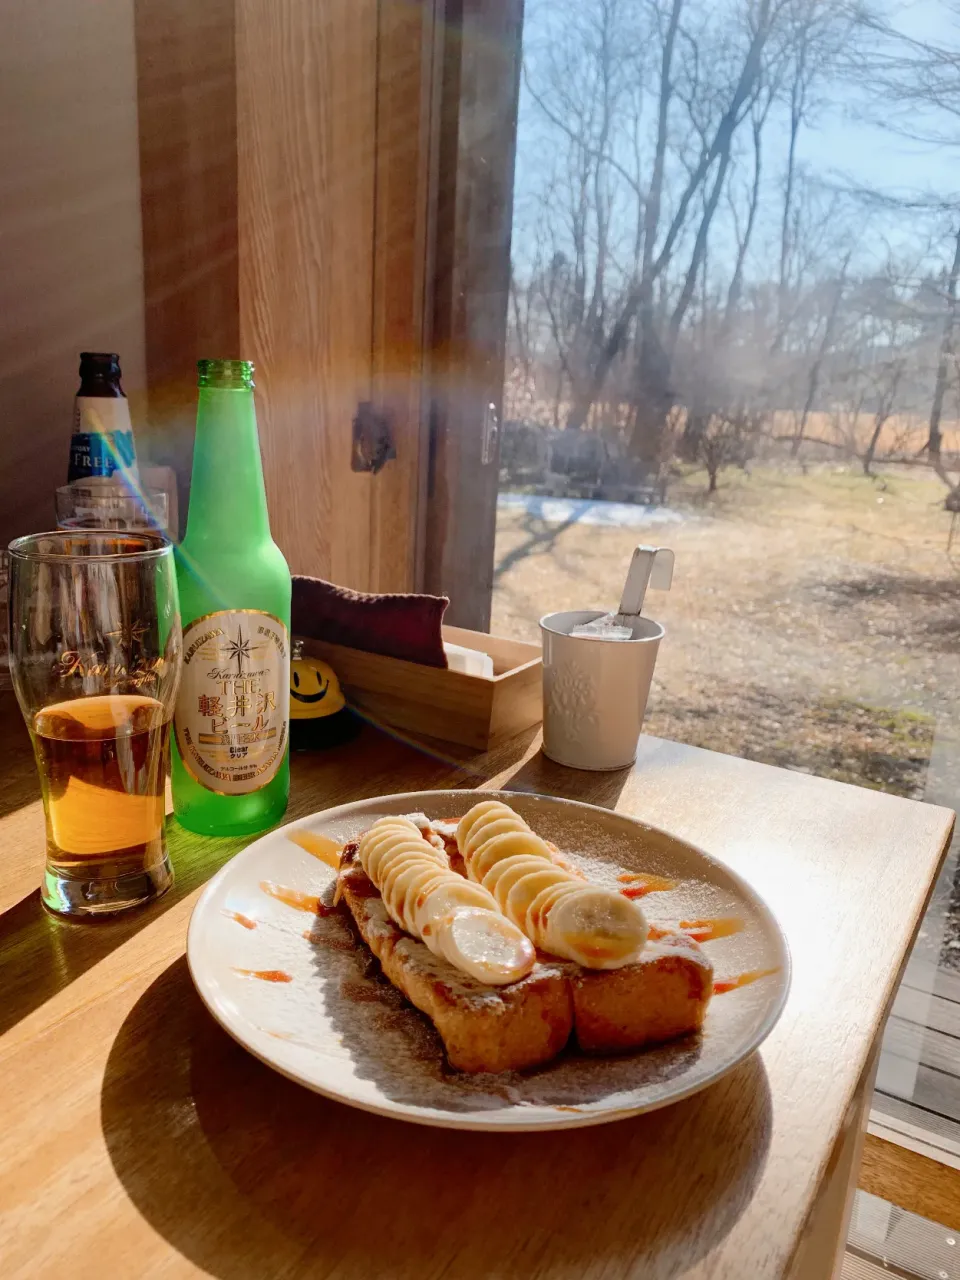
pixel 232 711
pixel 102 438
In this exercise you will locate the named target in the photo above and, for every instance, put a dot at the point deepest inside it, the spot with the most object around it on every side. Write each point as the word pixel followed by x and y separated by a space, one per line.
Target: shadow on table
pixel 540 774
pixel 42 954
pixel 19 782
pixel 247 1174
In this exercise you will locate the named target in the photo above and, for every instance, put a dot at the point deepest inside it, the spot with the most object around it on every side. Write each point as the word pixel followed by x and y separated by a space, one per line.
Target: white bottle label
pixel 233 707
pixel 102 443
pixel 101 415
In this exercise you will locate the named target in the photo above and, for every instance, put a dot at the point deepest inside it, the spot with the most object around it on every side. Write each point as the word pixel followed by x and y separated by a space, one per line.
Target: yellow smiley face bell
pixel 319 715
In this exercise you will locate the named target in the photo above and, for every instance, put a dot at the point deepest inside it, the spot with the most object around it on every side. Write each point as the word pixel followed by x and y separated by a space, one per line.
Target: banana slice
pixel 489 821
pixel 515 870
pixel 486 945
pixel 407 888
pixel 507 868
pixel 403 860
pixel 597 928
pixel 523 892
pixel 379 842
pixel 491 830
pixel 557 908
pixel 394 870
pixel 456 918
pixel 540 907
pixel 514 844
pixel 443 899
pixel 470 824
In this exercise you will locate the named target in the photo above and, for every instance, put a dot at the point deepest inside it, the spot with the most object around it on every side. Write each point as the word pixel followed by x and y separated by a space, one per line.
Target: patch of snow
pixel 613 515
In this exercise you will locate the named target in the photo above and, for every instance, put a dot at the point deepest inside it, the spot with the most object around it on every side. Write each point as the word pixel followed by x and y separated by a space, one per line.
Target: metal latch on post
pixel 373 443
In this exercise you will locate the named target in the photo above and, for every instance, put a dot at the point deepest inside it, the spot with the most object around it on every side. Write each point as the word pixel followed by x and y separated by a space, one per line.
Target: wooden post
pixel 481 78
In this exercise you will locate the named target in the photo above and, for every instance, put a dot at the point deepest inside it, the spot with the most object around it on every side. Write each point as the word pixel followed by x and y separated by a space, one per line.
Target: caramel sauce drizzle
pixel 640 884
pixel 709 930
pixel 296 898
pixel 318 846
pixel 288 1036
pixel 246 921
pixel 698 930
pixel 752 975
pixel 265 975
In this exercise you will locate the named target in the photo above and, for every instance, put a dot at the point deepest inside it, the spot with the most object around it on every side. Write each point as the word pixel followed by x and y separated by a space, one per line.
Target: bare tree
pixel 728 439
pixel 687 281
pixel 582 81
pixel 935 435
pixel 612 309
pixel 824 348
pixel 818 30
pixel 919 81
pixel 653 393
pixel 758 118
pixel 887 396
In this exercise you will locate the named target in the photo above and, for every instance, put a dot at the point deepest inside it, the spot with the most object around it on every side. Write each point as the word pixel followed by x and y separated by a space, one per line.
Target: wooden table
pixel 140 1141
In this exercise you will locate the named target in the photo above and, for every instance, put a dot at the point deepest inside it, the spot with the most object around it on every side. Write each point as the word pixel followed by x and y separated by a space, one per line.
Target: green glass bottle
pixel 231 770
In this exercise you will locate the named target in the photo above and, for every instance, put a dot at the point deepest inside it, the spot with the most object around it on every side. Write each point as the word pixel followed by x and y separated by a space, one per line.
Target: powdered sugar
pixel 396 1049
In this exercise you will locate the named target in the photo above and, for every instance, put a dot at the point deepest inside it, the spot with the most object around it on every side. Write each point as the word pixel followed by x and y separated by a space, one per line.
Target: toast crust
pixel 662 996
pixel 483 1028
pixel 527 1023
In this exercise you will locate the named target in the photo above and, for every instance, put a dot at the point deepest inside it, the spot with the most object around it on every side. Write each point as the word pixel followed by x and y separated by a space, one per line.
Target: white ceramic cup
pixel 595 691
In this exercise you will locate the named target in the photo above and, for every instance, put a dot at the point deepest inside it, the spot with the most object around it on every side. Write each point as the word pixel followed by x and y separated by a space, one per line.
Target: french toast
pixel 483 1028
pixel 660 995
pixel 627 992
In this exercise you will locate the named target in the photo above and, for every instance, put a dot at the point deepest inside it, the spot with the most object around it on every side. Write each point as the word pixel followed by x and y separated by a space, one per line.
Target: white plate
pixel 338 1027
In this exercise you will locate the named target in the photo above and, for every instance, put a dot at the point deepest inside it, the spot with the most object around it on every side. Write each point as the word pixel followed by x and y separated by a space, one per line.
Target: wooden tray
pixel 439 703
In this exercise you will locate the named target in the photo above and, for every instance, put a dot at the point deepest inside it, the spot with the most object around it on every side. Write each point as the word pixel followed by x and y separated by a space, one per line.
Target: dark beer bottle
pixel 102 443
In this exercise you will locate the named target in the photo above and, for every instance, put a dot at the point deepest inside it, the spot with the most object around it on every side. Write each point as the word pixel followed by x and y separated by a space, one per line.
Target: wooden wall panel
pixel 70 258
pixel 286 157
pixel 186 73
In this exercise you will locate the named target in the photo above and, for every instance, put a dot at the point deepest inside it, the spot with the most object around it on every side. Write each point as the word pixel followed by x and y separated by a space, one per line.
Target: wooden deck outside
pixel 912 1153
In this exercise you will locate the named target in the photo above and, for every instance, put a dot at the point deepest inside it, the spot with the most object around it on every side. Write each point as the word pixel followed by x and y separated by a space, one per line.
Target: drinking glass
pixel 94 505
pixel 95 647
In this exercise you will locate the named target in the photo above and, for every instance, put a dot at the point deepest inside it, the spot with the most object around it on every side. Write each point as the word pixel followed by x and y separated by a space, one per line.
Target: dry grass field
pixel 814 621
pixel 902 435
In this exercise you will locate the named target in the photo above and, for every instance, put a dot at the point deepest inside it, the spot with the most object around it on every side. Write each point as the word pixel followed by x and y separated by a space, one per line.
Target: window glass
pixel 733 331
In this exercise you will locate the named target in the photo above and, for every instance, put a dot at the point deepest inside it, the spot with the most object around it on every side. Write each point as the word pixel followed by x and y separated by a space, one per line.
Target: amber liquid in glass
pixel 102 767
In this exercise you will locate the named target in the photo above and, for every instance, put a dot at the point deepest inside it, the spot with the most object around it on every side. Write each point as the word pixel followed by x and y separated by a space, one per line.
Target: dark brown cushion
pixel 397 625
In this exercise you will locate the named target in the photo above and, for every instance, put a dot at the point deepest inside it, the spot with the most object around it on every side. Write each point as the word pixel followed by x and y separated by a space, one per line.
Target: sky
pixel 869 153
pixel 840 141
